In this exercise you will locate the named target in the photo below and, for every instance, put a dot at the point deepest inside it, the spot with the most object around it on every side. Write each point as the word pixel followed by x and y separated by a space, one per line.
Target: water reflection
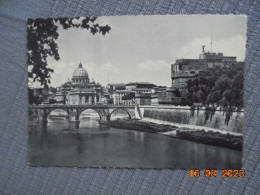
pixel 139 136
pixel 60 143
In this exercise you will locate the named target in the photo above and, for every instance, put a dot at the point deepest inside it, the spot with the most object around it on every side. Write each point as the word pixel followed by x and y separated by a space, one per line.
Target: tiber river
pixel 94 145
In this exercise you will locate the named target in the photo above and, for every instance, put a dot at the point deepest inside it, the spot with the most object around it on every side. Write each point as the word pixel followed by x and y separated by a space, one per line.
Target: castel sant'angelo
pixel 184 69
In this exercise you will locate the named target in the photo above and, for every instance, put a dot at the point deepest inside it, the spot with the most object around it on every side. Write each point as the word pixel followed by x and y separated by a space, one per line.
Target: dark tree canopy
pixel 221 86
pixel 42 36
pixel 129 96
pixel 34 99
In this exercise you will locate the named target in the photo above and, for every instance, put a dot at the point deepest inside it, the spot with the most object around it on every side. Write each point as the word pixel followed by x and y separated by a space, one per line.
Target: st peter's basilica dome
pixel 80 75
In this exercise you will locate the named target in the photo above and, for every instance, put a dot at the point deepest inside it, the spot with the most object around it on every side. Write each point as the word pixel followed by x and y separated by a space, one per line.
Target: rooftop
pixel 82 90
pixel 117 84
pixel 139 83
pixel 143 89
pixel 123 91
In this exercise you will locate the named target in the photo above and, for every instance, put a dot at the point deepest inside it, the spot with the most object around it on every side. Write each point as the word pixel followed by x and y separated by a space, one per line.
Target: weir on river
pixel 217 119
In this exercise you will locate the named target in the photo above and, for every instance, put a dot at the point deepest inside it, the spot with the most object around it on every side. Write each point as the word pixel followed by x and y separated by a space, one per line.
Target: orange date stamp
pixel 214 173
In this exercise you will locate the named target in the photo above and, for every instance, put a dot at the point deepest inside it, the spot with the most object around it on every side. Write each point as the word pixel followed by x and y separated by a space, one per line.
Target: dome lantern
pixel 80 65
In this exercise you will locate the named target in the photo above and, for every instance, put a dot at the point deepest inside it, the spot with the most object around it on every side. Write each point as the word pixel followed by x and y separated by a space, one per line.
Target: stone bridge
pixel 218 119
pixel 74 111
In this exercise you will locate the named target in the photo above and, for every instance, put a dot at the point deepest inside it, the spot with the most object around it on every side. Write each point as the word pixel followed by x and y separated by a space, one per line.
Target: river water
pixel 93 145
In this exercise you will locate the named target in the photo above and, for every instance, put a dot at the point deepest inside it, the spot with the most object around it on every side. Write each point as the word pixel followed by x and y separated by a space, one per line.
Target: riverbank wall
pixel 217 119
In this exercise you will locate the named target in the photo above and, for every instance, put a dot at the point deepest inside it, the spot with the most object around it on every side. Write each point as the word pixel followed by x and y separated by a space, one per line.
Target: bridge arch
pixel 53 109
pixel 127 111
pixel 96 110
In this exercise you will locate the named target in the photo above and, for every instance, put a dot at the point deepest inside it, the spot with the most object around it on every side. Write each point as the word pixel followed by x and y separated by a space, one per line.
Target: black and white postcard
pixel 137 91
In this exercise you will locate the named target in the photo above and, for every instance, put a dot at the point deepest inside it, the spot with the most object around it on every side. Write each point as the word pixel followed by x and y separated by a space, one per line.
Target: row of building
pixel 80 90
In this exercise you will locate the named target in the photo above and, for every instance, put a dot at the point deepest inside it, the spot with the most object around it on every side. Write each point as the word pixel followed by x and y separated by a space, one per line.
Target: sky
pixel 142 48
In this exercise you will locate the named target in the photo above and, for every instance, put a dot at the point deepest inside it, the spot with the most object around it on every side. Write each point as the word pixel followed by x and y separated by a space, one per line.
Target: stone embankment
pixel 206 137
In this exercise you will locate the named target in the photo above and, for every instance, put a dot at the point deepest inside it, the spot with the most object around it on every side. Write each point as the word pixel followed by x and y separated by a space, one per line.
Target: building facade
pixel 111 87
pixel 185 69
pixel 79 89
pixel 123 97
pixel 142 93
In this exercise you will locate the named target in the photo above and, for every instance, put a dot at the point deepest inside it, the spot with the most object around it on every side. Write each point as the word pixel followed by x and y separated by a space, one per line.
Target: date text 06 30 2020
pixel 213 173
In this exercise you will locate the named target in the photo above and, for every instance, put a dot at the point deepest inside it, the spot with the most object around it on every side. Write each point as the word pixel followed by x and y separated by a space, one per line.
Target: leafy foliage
pixel 129 96
pixel 52 101
pixel 42 36
pixel 221 86
pixel 34 99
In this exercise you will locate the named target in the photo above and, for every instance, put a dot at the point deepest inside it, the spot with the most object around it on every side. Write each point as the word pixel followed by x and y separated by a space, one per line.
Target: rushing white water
pixel 187 126
pixel 218 120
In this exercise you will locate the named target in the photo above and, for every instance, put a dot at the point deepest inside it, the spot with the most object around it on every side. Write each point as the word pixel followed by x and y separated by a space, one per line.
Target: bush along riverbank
pixel 139 125
pixel 206 137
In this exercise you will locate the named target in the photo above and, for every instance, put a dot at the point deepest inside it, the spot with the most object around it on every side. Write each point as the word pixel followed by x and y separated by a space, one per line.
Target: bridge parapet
pixel 56 106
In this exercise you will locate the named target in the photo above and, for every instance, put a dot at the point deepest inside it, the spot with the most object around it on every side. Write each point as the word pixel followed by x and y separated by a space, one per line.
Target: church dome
pixel 80 75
